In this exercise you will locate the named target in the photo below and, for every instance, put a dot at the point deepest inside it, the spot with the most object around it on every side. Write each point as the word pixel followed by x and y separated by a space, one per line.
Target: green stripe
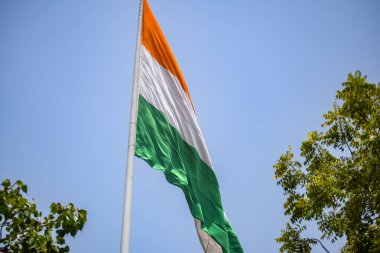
pixel 161 146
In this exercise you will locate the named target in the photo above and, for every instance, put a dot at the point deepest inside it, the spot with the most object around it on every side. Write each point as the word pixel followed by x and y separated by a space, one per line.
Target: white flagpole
pixel 126 228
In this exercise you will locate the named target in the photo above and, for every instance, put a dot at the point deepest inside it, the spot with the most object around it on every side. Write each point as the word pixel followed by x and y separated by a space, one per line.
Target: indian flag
pixel 169 139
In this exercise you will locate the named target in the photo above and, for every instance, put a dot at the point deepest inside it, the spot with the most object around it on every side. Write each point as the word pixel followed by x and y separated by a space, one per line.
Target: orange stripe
pixel 154 41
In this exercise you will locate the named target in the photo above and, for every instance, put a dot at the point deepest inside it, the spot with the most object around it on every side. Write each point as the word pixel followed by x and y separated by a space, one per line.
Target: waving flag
pixel 169 139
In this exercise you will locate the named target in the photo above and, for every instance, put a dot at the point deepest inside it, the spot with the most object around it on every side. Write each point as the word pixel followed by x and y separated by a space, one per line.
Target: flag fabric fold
pixel 169 139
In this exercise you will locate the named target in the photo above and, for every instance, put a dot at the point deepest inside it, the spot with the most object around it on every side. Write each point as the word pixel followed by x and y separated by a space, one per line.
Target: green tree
pixel 337 185
pixel 23 229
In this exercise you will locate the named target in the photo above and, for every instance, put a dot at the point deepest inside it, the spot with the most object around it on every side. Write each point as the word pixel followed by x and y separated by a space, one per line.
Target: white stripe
pixel 208 243
pixel 163 90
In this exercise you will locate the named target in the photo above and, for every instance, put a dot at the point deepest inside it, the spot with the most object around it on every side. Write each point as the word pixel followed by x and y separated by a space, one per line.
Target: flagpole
pixel 126 227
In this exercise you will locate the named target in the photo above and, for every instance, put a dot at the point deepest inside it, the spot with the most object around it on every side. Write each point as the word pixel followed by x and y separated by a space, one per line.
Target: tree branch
pixel 321 245
pixel 344 137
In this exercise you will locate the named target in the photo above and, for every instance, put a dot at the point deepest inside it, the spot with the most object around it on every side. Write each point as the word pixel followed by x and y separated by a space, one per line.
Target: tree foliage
pixel 23 229
pixel 337 185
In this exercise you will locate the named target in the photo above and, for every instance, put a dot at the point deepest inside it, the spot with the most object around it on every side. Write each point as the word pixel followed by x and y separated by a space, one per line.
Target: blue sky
pixel 261 74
